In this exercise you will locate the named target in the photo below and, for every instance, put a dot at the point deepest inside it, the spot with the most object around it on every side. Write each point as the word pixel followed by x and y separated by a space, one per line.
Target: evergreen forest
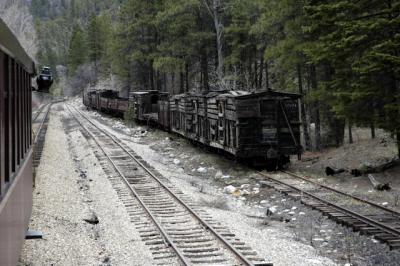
pixel 343 56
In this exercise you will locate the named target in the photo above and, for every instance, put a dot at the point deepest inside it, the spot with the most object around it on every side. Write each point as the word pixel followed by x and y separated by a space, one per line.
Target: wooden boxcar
pixel 181 114
pixel 16 183
pixel 199 116
pixel 164 111
pixel 110 102
pixel 91 98
pixel 145 105
pixel 262 126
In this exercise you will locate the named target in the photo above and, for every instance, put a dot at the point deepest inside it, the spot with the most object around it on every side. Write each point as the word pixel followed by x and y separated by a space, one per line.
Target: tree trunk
pixel 164 85
pixel 372 130
pixel 204 70
pixel 173 82
pixel 317 128
pixel 187 76
pixel 151 78
pixel 215 10
pixel 260 77
pixel 266 76
pixel 307 141
pixel 314 86
pixel 350 133
pixel 181 82
pixel 398 143
pixel 255 81
pixel 219 28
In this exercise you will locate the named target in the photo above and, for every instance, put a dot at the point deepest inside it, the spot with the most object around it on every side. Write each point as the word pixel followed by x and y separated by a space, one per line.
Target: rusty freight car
pixel 259 127
pixel 146 105
pixel 263 127
pixel 16 181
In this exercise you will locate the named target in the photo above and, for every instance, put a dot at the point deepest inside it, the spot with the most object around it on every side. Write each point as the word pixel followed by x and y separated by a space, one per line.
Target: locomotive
pixel 44 80
pixel 261 127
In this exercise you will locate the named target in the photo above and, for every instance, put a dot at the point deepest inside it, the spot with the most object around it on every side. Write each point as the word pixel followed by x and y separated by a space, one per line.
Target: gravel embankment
pixel 274 243
pixel 71 187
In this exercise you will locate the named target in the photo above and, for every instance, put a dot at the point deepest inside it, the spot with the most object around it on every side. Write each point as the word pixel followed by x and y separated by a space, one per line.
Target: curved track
pixel 362 215
pixel 177 229
pixel 36 114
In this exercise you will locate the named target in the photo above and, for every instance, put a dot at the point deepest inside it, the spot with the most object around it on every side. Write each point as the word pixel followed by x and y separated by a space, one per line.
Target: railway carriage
pixel 16 182
pixel 260 127
pixel 145 105
pixel 164 112
pixel 199 119
pixel 181 109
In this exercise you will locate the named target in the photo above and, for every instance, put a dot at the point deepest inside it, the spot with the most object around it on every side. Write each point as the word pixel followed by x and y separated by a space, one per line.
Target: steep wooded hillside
pixel 16 15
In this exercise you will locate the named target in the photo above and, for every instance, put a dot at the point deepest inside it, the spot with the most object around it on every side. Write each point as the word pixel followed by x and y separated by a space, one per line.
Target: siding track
pixel 361 215
pixel 177 230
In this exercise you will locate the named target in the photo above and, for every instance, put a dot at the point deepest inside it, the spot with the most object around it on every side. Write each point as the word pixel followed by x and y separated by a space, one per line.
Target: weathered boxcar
pixel 16 182
pixel 262 126
pixel 181 113
pixel 110 102
pixel 164 111
pixel 200 120
pixel 145 105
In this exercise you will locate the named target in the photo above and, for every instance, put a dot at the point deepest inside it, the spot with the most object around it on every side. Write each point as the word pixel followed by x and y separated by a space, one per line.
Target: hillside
pixel 17 16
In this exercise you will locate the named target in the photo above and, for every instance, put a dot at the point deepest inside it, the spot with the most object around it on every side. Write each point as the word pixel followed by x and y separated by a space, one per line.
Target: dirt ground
pixel 364 152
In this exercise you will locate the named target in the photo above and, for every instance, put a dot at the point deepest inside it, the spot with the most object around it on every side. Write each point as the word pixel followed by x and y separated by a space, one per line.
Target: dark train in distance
pixel 262 127
pixel 44 80
pixel 16 180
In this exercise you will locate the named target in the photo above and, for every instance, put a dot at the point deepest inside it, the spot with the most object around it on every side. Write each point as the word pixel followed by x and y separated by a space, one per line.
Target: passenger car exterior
pixel 16 182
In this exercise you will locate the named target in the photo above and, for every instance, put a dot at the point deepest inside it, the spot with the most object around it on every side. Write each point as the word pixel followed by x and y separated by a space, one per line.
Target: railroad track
pixel 177 230
pixel 36 114
pixel 361 215
pixel 39 132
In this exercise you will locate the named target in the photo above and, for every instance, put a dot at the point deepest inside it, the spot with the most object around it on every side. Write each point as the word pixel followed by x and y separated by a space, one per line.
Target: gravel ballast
pixel 76 208
pixel 274 243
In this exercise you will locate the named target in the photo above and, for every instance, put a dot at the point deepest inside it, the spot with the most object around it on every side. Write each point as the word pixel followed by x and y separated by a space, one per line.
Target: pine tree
pixel 98 40
pixel 359 42
pixel 77 54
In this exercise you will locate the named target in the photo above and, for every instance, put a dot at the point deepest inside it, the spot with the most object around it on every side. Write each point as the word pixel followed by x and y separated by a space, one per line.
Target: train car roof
pixel 248 94
pixel 11 46
pixel 144 92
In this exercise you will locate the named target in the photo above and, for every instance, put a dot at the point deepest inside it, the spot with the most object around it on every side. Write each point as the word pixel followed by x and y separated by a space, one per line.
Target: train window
pixel 7 121
pixel 19 114
pixel 2 140
pixel 13 118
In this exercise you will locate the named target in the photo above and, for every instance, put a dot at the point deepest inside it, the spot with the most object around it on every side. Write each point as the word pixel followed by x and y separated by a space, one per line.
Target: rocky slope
pixel 16 15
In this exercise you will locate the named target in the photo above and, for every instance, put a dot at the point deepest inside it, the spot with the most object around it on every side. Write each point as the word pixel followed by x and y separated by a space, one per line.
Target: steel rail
pixel 381 226
pixel 204 223
pixel 38 112
pixel 135 194
pixel 344 193
pixel 42 123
